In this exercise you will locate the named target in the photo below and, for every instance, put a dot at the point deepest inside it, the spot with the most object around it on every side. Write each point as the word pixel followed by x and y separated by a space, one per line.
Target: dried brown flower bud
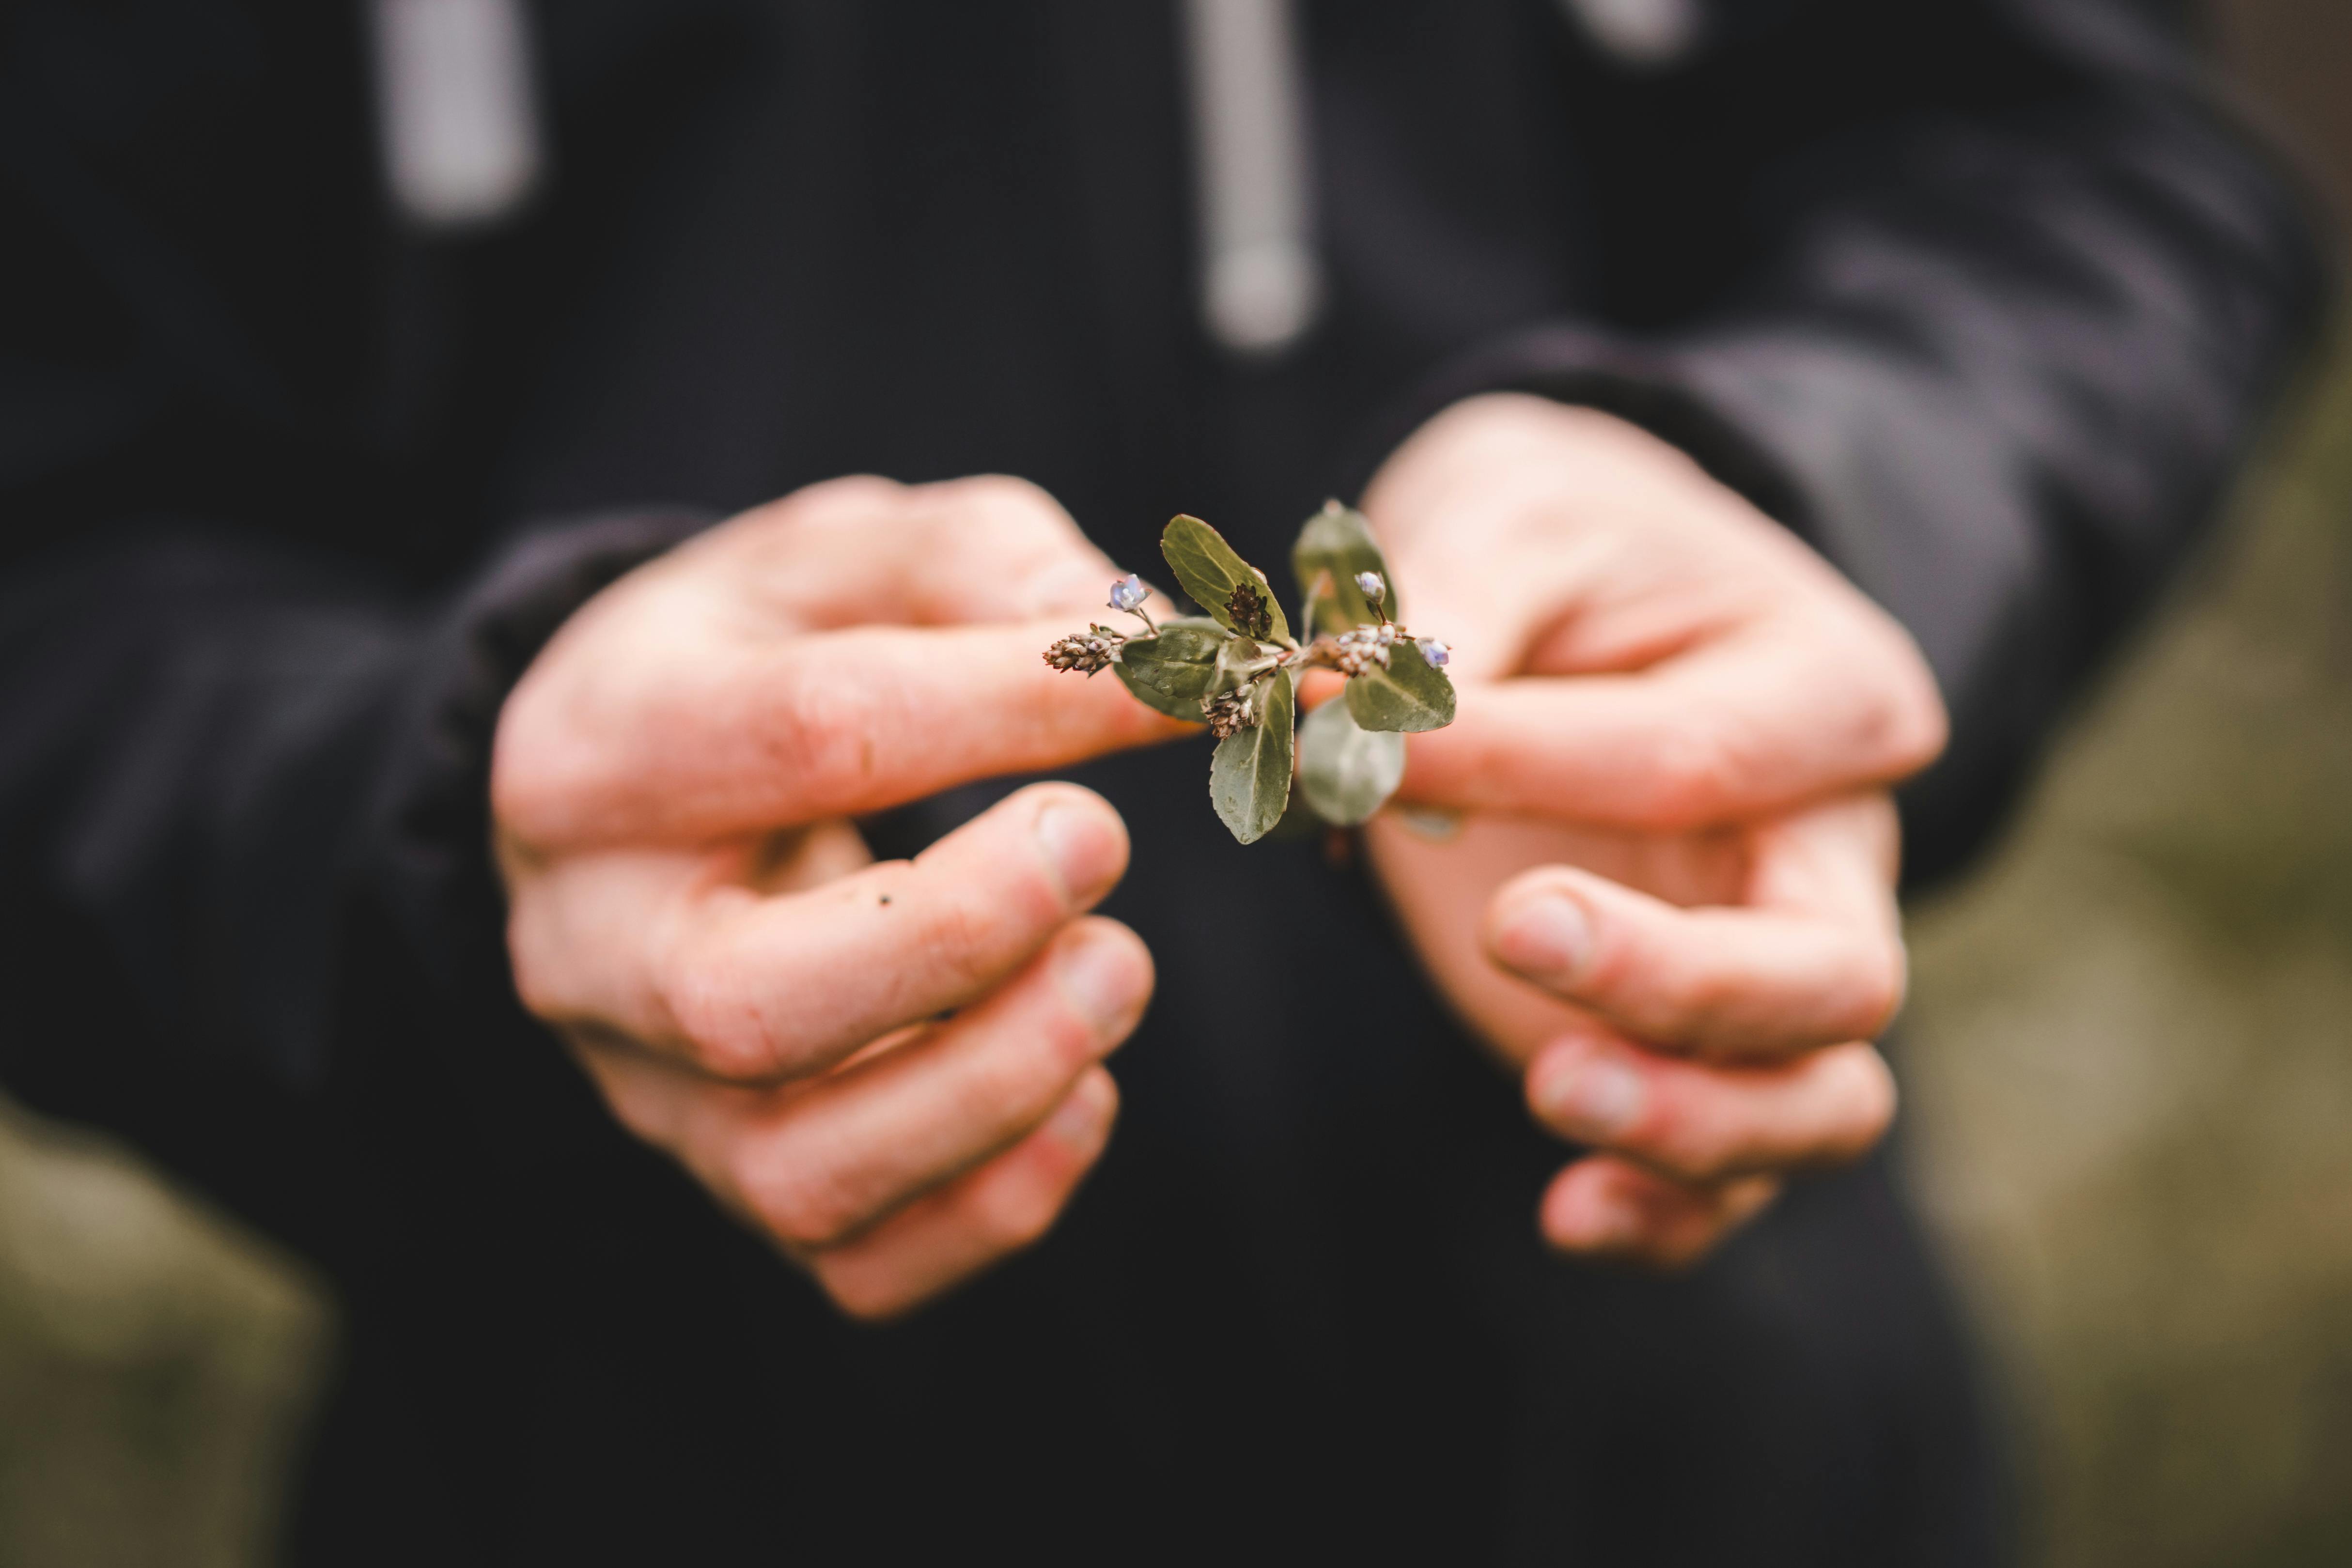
pixel 1230 713
pixel 1248 606
pixel 1087 652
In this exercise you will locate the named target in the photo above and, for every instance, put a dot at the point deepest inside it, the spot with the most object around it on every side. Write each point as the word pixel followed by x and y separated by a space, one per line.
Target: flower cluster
pixel 1355 652
pixel 1237 669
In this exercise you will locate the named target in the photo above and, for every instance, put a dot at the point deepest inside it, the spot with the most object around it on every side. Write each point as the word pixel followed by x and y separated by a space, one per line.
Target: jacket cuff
pixel 1643 383
pixel 434 814
pixel 1830 440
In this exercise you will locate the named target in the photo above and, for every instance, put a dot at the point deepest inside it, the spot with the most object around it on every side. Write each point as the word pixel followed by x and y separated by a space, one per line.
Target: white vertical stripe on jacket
pixel 1639 32
pixel 456 107
pixel 1262 281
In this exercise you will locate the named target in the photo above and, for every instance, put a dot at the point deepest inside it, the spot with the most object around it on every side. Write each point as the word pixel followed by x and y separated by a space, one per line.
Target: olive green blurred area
pixel 2127 1067
pixel 2130 1067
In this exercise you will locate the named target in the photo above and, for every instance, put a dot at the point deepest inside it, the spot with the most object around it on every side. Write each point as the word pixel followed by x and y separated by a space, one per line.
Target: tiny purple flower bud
pixel 1371 587
pixel 1128 592
pixel 1436 652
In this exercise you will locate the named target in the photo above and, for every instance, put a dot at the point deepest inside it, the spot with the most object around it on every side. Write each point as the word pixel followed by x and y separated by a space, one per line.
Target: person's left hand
pixel 1652 862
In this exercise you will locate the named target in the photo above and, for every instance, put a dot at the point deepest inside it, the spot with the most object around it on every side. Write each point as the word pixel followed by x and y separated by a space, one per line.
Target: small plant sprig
pixel 1237 669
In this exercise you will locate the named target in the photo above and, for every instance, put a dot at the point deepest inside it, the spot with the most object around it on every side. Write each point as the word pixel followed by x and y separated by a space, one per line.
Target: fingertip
pixel 1915 725
pixel 1081 1124
pixel 1105 973
pixel 1541 925
pixel 1083 837
pixel 1872 1093
pixel 1604 1208
pixel 1582 1088
pixel 1590 1209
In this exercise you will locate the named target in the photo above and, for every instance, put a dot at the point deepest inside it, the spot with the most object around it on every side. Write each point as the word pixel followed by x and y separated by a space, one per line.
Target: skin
pixel 1662 890
pixel 894 1071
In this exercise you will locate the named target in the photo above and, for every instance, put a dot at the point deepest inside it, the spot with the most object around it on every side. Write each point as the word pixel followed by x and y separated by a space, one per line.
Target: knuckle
pixel 711 1016
pixel 972 926
pixel 519 790
pixel 1011 500
pixel 831 507
pixel 1702 1004
pixel 1687 1148
pixel 1916 724
pixel 535 981
pixel 1025 540
pixel 540 772
pixel 1022 1080
pixel 856 496
pixel 530 961
pixel 1871 1109
pixel 1696 769
pixel 963 933
pixel 802 1209
pixel 1899 724
pixel 1067 1046
pixel 1919 731
pixel 1011 1215
pixel 862 1295
pixel 822 727
pixel 1880 984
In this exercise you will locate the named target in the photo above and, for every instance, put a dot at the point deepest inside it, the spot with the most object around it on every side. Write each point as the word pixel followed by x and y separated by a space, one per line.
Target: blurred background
pixel 2129 1061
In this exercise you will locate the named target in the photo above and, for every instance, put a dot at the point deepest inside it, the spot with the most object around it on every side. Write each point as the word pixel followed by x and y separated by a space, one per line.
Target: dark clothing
pixel 1976 294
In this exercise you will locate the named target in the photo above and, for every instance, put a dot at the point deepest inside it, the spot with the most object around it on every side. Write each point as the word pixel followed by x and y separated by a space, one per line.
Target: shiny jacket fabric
pixel 1982 296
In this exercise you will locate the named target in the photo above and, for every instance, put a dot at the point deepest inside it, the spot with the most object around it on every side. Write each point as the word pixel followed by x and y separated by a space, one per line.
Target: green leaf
pixel 1409 695
pixel 1347 771
pixel 1233 664
pixel 1249 778
pixel 1207 569
pixel 1334 545
pixel 1301 823
pixel 1173 671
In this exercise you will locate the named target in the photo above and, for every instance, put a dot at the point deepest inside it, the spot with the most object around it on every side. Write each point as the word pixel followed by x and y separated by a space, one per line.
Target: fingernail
pixel 1550 937
pixel 1608 1224
pixel 1591 1100
pixel 1083 849
pixel 1078 1121
pixel 1433 824
pixel 1103 980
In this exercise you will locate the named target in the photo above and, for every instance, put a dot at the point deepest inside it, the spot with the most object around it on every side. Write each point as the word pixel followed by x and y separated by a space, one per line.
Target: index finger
pixel 1754 723
pixel 826 723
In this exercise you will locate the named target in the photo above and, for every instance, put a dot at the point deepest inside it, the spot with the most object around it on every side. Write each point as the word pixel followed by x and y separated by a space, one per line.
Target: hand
pixel 1660 880
pixel 892 1070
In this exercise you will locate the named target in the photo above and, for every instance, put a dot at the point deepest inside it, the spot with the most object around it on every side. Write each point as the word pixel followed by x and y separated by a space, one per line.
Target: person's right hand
pixel 892 1070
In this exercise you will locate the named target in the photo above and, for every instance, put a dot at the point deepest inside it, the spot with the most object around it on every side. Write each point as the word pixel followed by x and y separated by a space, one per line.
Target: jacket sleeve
pixel 228 776
pixel 248 686
pixel 2022 300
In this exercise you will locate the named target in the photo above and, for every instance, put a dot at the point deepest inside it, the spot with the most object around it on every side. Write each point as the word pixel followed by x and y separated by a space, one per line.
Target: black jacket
pixel 1978 295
